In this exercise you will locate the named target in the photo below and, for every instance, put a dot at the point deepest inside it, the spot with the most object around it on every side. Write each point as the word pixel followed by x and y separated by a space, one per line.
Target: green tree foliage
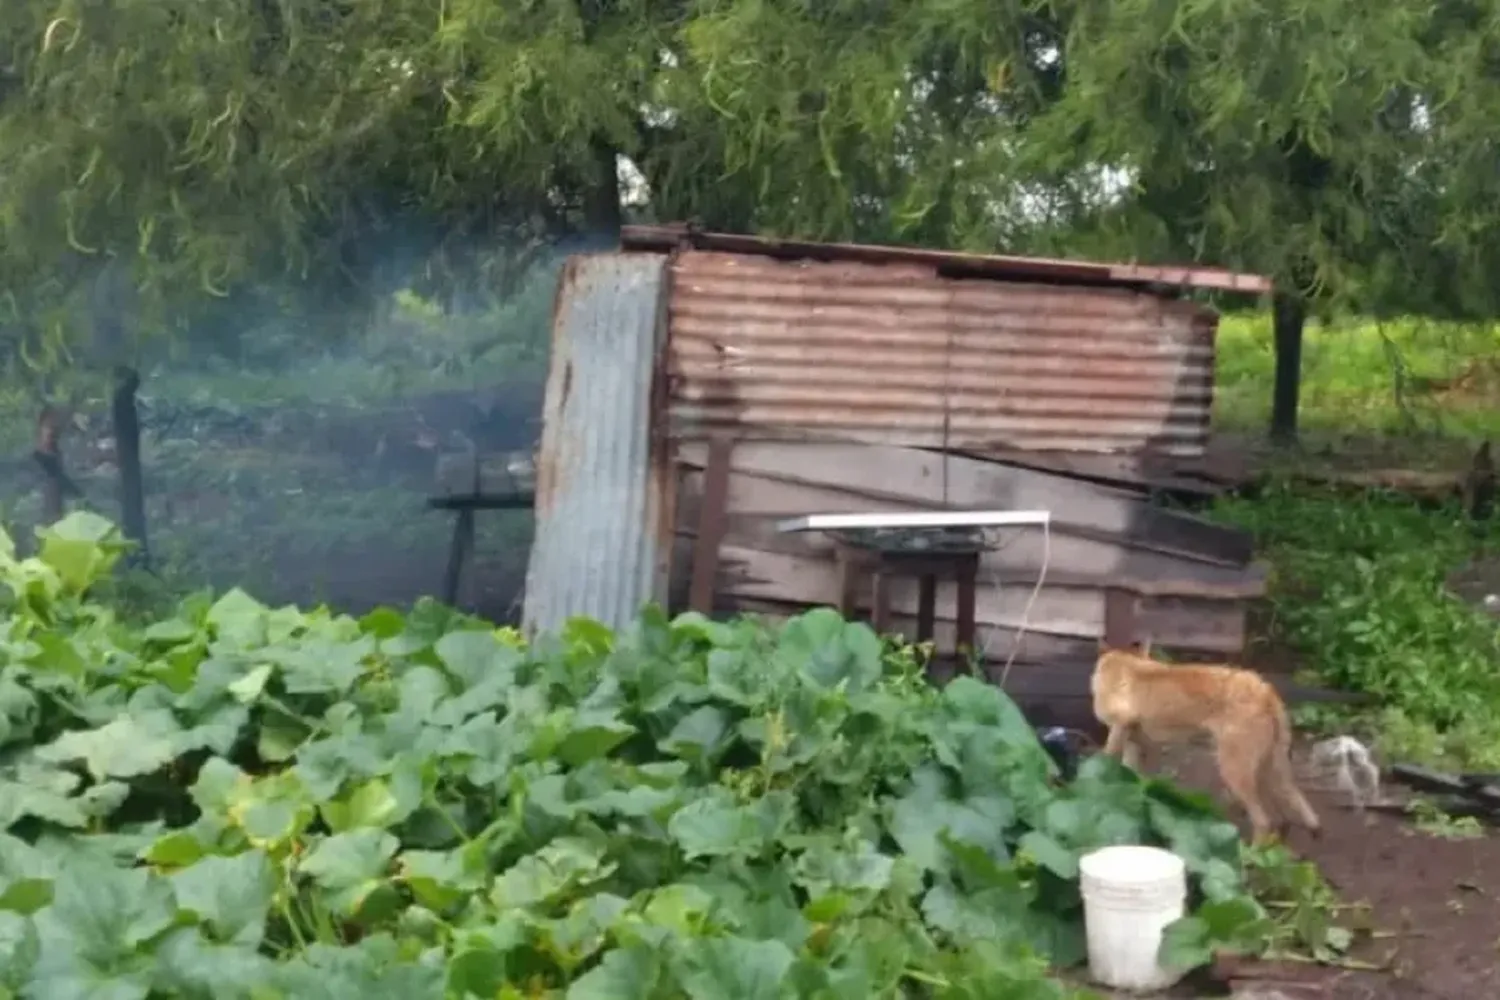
pixel 216 144
pixel 849 120
pixel 1330 143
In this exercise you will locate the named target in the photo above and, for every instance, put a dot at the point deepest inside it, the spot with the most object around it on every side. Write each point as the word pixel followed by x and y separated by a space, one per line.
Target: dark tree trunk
pixel 127 431
pixel 1289 312
pixel 602 210
pixel 1480 487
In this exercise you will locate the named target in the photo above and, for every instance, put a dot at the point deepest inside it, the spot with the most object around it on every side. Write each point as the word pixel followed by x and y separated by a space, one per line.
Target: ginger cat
pixel 1143 700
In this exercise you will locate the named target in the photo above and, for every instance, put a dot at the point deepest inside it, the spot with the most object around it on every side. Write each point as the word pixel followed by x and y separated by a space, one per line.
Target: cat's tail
pixel 1279 777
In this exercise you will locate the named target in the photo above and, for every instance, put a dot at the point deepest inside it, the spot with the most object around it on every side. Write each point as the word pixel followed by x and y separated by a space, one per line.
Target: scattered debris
pixel 1059 744
pixel 1476 795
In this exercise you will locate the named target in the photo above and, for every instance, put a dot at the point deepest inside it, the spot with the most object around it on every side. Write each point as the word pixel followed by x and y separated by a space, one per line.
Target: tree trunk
pixel 127 431
pixel 1289 311
pixel 602 212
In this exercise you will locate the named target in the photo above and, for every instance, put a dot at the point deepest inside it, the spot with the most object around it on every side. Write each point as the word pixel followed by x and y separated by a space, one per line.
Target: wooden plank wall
pixel 1192 576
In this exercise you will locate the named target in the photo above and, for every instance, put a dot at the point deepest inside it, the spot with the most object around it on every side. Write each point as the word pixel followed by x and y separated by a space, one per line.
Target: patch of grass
pixel 1401 377
pixel 1435 822
pixel 1360 585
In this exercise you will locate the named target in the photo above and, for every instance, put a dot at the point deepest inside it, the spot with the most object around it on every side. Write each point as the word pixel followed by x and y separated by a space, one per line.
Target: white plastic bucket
pixel 1130 894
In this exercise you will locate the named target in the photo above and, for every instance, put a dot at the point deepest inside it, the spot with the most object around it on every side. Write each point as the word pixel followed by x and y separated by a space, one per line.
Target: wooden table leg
pixel 926 607
pixel 880 601
pixel 967 584
pixel 458 550
pixel 848 586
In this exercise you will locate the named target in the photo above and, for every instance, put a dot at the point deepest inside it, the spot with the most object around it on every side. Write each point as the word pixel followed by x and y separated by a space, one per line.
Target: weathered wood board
pixel 496 473
pixel 1019 556
pixel 1183 600
pixel 910 477
pixel 1067 618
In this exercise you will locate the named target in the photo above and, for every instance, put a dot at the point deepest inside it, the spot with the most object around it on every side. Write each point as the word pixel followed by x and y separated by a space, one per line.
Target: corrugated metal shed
pixel 948 263
pixel 603 530
pixel 741 339
pixel 893 353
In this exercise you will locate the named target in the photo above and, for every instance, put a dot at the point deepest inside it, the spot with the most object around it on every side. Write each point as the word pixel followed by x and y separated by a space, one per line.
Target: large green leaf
pixel 231 895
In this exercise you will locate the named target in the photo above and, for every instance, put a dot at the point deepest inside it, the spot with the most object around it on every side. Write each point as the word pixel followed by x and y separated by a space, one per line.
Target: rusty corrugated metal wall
pixel 895 354
pixel 602 536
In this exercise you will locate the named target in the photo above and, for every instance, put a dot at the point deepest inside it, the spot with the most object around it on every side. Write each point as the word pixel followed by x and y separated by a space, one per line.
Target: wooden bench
pixel 461 544
pixel 471 482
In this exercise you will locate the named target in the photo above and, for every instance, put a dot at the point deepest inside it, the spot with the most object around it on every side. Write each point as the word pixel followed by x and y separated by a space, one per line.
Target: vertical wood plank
pixel 926 607
pixel 1120 619
pixel 713 516
pixel 458 552
pixel 968 573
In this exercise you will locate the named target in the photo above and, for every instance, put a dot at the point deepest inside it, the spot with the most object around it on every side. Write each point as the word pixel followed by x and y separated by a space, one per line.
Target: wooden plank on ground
pixel 1061 607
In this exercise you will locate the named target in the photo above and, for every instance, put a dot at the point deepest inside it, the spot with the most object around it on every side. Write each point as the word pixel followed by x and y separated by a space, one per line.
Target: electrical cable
pixel 989 545
pixel 1036 590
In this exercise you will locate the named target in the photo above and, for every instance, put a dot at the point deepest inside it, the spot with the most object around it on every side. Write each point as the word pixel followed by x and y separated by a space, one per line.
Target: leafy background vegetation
pixel 1362 595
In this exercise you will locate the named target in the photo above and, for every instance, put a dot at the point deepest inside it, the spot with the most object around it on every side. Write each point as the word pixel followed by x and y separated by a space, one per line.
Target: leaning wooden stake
pixel 1479 486
pixel 57 485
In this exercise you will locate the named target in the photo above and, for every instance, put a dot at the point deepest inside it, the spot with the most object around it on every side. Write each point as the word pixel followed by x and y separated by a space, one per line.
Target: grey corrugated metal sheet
pixel 892 353
pixel 602 533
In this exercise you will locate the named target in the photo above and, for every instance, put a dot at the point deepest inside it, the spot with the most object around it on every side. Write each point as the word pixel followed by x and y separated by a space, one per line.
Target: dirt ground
pixel 1435 902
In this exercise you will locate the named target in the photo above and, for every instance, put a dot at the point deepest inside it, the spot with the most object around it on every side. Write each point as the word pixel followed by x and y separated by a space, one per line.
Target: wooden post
pixel 713 518
pixel 849 570
pixel 126 419
pixel 1119 618
pixel 968 573
pixel 458 551
pixel 926 607
pixel 880 600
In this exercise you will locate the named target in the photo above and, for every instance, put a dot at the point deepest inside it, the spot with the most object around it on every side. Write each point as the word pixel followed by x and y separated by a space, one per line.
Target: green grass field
pixel 1366 378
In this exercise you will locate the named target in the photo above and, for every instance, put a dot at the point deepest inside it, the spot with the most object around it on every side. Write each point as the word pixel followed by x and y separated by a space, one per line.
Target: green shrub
pixel 1360 591
pixel 240 801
